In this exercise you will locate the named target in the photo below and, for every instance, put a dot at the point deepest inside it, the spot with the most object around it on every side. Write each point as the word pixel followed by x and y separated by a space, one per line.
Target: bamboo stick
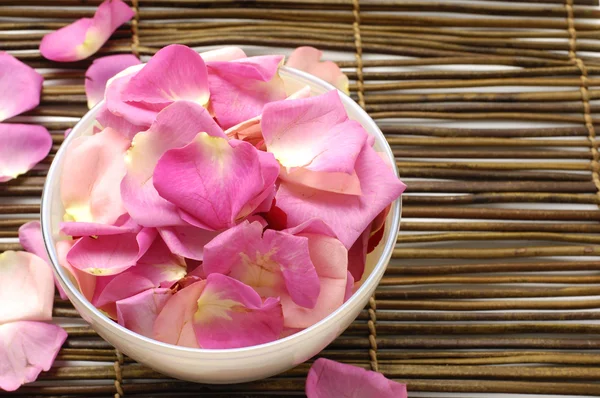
pixel 484 132
pixel 418 172
pixel 426 292
pixel 399 316
pixel 407 225
pixel 513 252
pixel 498 165
pixel 573 95
pixel 493 279
pixel 500 186
pixel 501 197
pixel 488 305
pixel 506 214
pixel 498 236
pixel 444 269
pixel 472 141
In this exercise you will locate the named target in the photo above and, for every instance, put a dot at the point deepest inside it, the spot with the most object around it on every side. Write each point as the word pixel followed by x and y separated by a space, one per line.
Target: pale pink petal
pixel 26 349
pixel 223 54
pixel 240 89
pixel 174 73
pixel 187 241
pixel 86 283
pixel 101 70
pixel 348 216
pixel 274 263
pixel 118 287
pixel 110 254
pixel 174 323
pixel 134 113
pixel 92 193
pixel 30 237
pixel 22 146
pixel 159 265
pixel 349 287
pixel 73 228
pixel 175 127
pixel 230 314
pixel 26 288
pixel 138 313
pixel 330 259
pixel 107 119
pixel 307 59
pixel 22 82
pixel 315 142
pixel 211 181
pixel 85 36
pixel 327 379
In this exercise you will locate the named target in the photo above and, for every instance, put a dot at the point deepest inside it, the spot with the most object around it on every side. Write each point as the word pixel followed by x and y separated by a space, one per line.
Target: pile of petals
pixel 213 206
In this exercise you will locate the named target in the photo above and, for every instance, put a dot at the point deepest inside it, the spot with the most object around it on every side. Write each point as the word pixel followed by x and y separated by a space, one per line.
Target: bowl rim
pixel 67 284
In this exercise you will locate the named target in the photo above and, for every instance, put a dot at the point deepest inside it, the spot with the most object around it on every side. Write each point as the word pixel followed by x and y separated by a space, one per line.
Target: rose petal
pixel 85 282
pixel 315 142
pixel 138 313
pixel 187 241
pixel 134 113
pixel 101 70
pixel 357 255
pixel 92 194
pixel 175 127
pixel 159 265
pixel 27 348
pixel 22 146
pixel 107 119
pixel 85 36
pixel 110 254
pixel 328 378
pixel 349 287
pixel 174 73
pixel 240 88
pixel 307 59
pixel 346 215
pixel 213 182
pixel 22 82
pixel 230 314
pixel 111 289
pixel 274 263
pixel 26 288
pixel 122 225
pixel 224 54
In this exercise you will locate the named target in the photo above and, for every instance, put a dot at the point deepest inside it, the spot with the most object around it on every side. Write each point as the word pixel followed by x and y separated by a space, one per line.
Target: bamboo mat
pixel 491 110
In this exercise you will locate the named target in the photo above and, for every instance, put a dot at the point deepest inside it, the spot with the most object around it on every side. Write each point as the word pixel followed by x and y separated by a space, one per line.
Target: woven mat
pixel 490 110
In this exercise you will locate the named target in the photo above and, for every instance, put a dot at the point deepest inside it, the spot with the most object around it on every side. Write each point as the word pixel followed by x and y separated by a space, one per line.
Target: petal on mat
pixel 224 54
pixel 138 313
pixel 107 119
pixel 26 288
pixel 175 127
pixel 92 194
pixel 315 142
pixel 85 282
pixel 174 73
pixel 26 349
pixel 174 324
pixel 187 241
pixel 101 70
pixel 210 180
pixel 22 82
pixel 110 254
pixel 274 263
pixel 240 89
pixel 230 314
pixel 348 216
pixel 85 36
pixel 328 378
pixel 308 59
pixel 22 146
pixel 330 259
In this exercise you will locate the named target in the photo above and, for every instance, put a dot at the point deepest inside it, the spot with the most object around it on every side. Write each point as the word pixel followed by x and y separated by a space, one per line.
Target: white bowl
pixel 225 365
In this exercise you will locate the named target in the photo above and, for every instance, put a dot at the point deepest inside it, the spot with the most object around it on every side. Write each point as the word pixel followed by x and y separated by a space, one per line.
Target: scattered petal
pixel 22 82
pixel 239 89
pixel 26 349
pixel 92 193
pixel 26 288
pixel 85 36
pixel 101 70
pixel 138 313
pixel 22 146
pixel 308 59
pixel 175 127
pixel 328 378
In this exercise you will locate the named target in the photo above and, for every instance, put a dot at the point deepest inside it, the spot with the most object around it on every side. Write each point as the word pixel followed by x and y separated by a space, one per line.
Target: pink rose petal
pixel 26 288
pixel 22 82
pixel 349 287
pixel 138 313
pixel 175 127
pixel 92 193
pixel 26 349
pixel 348 216
pixel 307 59
pixel 328 378
pixel 85 282
pixel 111 289
pixel 22 146
pixel 159 265
pixel 239 89
pixel 230 314
pixel 133 113
pixel 187 241
pixel 213 183
pixel 274 263
pixel 174 73
pixel 110 254
pixel 315 142
pixel 107 119
pixel 101 70
pixel 85 36
pixel 224 54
